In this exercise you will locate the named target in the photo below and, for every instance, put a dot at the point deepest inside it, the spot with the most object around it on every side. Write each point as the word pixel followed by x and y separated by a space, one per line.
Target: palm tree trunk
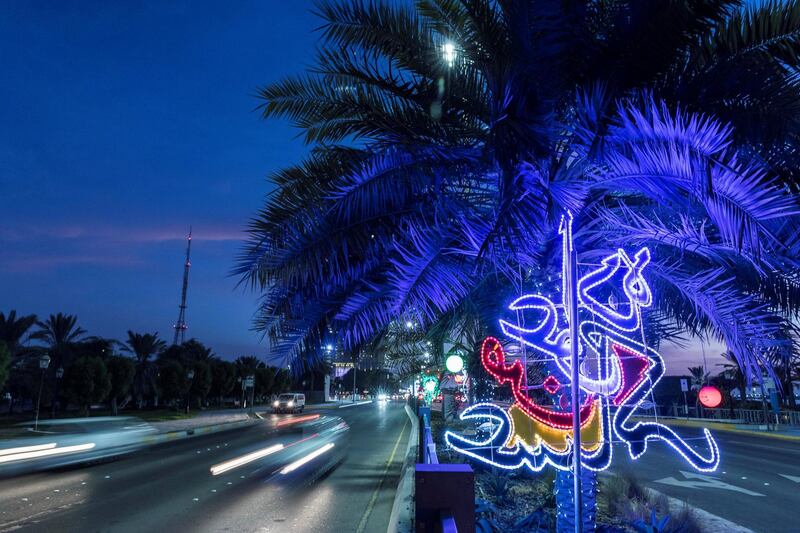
pixel 565 507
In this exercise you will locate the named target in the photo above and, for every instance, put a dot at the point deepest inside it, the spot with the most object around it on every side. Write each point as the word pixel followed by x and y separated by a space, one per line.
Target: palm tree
pixel 143 347
pixel 450 137
pixel 61 334
pixel 699 378
pixel 63 338
pixel 734 372
pixel 13 330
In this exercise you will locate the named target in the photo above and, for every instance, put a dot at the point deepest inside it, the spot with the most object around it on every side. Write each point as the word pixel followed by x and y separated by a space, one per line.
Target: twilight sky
pixel 124 123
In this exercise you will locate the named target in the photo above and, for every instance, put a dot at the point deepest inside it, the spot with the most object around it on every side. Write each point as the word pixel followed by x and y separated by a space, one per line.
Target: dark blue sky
pixel 122 124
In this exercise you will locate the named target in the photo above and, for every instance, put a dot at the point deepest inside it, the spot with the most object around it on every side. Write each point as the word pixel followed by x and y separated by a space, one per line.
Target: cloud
pixel 36 263
pixel 32 247
pixel 119 234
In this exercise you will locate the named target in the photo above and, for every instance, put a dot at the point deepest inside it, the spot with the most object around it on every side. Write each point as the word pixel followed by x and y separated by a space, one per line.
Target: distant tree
pixel 246 365
pixel 699 378
pixel 172 381
pixel 144 347
pixel 201 382
pixel 223 379
pixel 63 339
pixel 5 361
pixel 283 381
pixel 87 381
pixel 98 347
pixel 13 330
pixel 194 350
pixel 735 373
pixel 121 371
pixel 264 383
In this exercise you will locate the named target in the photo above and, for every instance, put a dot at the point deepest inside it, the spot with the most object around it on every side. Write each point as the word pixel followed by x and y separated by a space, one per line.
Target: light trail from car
pixel 23 449
pixel 310 457
pixel 46 453
pixel 244 459
pixel 295 420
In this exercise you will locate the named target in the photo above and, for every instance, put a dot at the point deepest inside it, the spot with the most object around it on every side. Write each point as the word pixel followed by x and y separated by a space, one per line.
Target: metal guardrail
pixel 726 414
pixel 427 446
pixel 740 416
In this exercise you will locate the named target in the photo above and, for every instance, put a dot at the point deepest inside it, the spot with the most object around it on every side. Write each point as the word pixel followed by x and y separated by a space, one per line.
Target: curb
pixel 193 432
pixel 401 518
pixel 723 426
pixel 710 523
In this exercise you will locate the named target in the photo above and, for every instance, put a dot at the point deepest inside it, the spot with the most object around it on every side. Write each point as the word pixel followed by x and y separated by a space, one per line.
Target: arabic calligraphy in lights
pixel 532 434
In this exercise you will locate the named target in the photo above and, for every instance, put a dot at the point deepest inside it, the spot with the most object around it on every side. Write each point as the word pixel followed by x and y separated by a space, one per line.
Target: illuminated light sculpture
pixel 709 396
pixel 430 388
pixel 532 435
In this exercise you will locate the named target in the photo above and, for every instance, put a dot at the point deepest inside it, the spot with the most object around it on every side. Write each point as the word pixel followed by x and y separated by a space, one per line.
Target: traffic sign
pixel 684 385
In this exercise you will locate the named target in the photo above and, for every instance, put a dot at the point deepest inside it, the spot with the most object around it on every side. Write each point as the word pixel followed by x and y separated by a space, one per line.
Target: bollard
pixel 444 493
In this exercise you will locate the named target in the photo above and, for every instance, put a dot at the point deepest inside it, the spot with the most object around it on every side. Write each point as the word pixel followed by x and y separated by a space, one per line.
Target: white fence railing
pixel 737 416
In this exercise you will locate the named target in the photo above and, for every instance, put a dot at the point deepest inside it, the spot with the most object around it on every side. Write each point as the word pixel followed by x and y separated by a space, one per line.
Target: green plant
pixel 497 484
pixel 535 521
pixel 654 525
pixel 485 521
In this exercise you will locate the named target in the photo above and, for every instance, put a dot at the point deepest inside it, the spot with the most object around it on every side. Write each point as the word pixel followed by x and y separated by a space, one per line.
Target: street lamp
pixel 449 53
pixel 190 377
pixel 44 362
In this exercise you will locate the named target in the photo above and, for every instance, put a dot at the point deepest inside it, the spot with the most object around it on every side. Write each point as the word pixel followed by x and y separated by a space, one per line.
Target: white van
pixel 289 402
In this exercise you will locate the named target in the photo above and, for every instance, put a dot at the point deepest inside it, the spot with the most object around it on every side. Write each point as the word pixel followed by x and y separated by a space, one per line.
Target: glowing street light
pixel 449 53
pixel 455 363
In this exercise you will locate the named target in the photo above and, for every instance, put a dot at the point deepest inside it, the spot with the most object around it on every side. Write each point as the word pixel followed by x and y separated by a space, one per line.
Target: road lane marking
pixel 362 524
pixel 699 481
pixel 796 479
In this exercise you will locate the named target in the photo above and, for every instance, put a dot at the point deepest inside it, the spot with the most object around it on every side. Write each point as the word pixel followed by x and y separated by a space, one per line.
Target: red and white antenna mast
pixel 180 326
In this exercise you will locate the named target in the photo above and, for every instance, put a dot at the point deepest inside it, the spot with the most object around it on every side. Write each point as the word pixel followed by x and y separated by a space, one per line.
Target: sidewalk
pixel 783 433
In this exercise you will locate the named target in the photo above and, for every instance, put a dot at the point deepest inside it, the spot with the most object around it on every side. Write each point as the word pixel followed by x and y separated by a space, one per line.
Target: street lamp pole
pixel 190 376
pixel 44 362
pixel 354 380
pixel 571 278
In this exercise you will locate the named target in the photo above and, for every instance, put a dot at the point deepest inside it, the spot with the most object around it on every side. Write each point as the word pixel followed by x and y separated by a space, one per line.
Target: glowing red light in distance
pixel 710 396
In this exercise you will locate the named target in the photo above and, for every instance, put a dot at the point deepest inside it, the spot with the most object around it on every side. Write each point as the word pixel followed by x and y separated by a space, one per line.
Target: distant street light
pixel 449 53
pixel 190 377
pixel 44 362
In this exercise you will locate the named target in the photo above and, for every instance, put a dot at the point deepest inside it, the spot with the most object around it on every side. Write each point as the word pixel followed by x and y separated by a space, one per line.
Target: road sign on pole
pixel 684 385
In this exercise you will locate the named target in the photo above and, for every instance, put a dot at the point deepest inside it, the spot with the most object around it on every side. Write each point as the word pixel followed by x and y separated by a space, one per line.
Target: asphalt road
pixel 757 484
pixel 169 487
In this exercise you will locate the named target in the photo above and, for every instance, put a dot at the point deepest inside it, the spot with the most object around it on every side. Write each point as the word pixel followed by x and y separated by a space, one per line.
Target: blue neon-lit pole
pixel 571 266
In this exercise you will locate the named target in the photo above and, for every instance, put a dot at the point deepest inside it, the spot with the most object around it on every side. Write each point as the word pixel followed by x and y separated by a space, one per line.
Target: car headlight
pixel 289 404
pixel 276 403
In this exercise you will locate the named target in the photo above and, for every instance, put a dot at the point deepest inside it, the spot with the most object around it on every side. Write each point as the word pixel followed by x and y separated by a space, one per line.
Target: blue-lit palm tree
pixel 450 136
